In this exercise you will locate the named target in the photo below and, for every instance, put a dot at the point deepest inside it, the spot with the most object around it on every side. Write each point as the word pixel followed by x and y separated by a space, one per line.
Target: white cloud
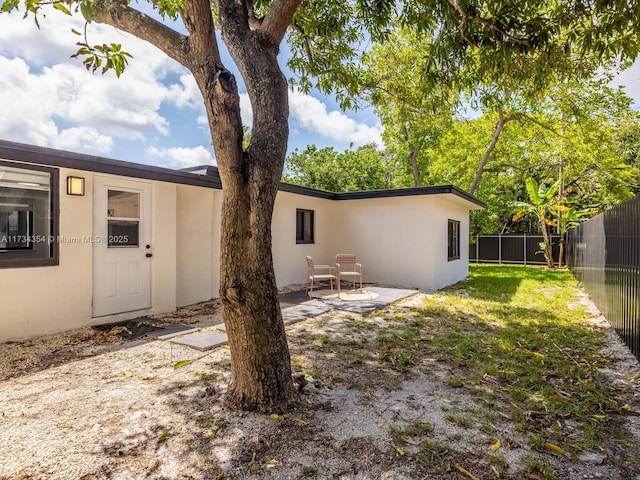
pixel 25 115
pixel 49 99
pixel 84 139
pixel 186 94
pixel 46 97
pixel 181 157
pixel 312 115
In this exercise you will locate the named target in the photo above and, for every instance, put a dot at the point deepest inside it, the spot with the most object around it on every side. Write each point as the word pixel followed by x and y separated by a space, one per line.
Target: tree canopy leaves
pixel 364 168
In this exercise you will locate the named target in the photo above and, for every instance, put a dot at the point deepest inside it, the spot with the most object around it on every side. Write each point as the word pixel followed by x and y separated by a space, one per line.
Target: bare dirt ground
pixel 87 405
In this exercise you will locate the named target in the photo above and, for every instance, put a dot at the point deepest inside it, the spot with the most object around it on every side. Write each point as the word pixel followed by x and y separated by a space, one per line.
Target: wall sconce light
pixel 75 186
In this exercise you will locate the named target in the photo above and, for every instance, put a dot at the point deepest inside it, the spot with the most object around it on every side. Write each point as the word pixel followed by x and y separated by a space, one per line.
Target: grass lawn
pixel 518 335
pixel 513 337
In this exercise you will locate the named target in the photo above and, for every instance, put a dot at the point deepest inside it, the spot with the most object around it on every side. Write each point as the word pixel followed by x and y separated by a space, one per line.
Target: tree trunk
pixel 413 157
pixel 260 361
pixel 492 145
pixel 548 253
pixel 561 252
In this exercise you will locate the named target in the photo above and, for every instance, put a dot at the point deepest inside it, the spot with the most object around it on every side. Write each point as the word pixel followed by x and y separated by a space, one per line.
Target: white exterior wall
pixel 288 257
pixel 198 244
pixel 41 300
pixel 49 299
pixel 391 237
pixel 399 241
pixel 447 272
pixel 163 247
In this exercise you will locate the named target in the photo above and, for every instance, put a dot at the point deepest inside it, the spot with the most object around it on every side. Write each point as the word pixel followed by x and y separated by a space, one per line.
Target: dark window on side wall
pixel 304 226
pixel 28 216
pixel 454 240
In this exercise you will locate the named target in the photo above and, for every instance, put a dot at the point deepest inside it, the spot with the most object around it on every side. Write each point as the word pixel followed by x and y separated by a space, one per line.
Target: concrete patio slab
pixel 385 296
pixel 310 308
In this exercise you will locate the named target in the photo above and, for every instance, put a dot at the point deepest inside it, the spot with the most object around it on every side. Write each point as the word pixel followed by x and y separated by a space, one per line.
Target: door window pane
pixel 123 204
pixel 123 209
pixel 123 233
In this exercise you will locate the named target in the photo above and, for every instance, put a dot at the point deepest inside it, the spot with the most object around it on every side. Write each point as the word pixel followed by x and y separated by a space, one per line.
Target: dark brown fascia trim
pixel 392 192
pixel 57 158
pixel 406 192
pixel 308 191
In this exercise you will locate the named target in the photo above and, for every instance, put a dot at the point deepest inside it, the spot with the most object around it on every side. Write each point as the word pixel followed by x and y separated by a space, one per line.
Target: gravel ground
pixel 87 405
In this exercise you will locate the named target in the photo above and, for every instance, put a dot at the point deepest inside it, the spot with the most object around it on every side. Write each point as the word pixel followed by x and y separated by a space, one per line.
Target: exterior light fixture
pixel 75 186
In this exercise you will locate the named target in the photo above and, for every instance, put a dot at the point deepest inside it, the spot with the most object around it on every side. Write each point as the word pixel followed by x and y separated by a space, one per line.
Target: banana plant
pixel 567 218
pixel 541 202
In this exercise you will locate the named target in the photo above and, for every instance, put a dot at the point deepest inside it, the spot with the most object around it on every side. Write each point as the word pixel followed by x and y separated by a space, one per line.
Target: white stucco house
pixel 87 240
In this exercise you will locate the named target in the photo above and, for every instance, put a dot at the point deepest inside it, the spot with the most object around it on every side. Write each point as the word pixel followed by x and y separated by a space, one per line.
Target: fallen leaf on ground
pixel 276 418
pixel 180 364
pixel 496 446
pixel 554 448
pixel 465 472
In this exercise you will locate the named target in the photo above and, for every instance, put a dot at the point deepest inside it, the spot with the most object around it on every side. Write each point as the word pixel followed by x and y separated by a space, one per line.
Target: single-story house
pixel 86 240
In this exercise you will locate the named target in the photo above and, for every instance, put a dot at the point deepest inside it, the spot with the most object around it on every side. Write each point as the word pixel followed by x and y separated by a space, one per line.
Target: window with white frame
pixel 305 226
pixel 453 240
pixel 28 222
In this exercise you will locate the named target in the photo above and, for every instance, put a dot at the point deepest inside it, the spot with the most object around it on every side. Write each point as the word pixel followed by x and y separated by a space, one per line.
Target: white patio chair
pixel 346 266
pixel 313 274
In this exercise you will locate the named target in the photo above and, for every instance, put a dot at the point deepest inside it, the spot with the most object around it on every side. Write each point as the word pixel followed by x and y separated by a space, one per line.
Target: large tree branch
pixel 122 17
pixel 485 158
pixel 493 26
pixel 278 19
pixel 234 21
pixel 202 35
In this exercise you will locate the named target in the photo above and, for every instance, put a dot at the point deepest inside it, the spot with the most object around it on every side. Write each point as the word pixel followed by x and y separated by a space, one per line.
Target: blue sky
pixel 154 113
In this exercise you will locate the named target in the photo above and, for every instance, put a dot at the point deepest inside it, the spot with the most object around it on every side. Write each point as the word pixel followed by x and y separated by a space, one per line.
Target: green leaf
pixel 62 7
pixel 9 5
pixel 88 10
pixel 181 363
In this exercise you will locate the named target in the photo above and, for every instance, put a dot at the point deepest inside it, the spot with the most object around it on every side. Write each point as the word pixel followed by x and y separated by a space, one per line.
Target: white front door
pixel 122 252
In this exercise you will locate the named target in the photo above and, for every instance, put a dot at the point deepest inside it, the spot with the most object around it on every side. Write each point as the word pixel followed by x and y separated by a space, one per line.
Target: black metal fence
pixel 523 249
pixel 604 254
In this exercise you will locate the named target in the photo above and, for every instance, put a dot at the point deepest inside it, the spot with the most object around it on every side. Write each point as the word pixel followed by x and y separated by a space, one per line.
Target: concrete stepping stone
pixel 172 330
pixel 202 340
